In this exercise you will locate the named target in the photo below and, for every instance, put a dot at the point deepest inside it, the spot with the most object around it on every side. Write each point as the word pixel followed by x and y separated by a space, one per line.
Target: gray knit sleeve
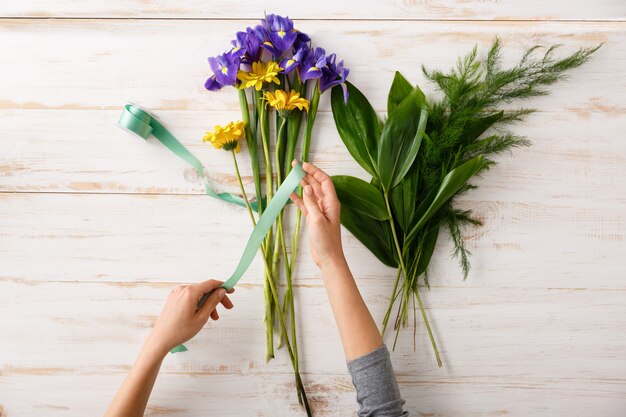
pixel 377 390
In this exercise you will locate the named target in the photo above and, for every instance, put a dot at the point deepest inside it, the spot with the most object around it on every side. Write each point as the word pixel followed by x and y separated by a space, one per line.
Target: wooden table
pixel 96 226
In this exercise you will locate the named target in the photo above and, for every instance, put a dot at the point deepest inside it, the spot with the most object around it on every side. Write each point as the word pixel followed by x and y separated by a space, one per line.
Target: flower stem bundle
pixel 278 72
pixel 423 156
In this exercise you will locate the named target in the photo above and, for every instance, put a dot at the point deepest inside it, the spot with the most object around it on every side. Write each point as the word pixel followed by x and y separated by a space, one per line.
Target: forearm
pixel 358 331
pixel 132 397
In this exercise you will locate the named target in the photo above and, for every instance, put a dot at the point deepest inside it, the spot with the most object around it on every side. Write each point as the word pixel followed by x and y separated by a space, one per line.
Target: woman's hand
pixel 320 206
pixel 181 320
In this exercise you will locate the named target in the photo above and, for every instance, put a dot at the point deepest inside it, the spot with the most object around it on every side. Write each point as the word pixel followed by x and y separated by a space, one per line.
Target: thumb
pixel 310 202
pixel 211 303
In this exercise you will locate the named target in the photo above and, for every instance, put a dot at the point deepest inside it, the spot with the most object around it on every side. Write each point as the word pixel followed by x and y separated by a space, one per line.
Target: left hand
pixel 181 320
pixel 321 208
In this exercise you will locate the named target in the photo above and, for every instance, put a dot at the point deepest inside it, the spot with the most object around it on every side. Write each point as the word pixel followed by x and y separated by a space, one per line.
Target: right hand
pixel 320 206
pixel 181 320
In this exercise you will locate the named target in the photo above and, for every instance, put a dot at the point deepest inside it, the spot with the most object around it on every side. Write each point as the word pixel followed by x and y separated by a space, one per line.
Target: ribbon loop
pixel 139 121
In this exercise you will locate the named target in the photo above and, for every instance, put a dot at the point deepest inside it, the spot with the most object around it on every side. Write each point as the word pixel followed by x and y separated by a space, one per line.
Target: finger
pixel 226 302
pixel 310 202
pixel 317 187
pixel 208 285
pixel 297 200
pixel 211 302
pixel 314 171
pixel 214 315
pixel 320 176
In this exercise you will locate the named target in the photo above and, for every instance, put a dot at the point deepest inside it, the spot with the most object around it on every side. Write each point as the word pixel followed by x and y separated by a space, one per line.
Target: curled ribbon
pixel 142 123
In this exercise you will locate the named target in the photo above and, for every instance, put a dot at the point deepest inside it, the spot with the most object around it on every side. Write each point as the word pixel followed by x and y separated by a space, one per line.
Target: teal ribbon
pixel 143 124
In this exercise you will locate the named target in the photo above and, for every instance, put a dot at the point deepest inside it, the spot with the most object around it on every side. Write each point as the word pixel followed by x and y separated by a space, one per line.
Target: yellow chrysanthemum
pixel 286 102
pixel 261 73
pixel 226 137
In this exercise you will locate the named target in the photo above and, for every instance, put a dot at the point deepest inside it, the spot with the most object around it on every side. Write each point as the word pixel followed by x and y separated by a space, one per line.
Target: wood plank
pixel 571 160
pixel 325 9
pixel 134 238
pixel 78 321
pixel 211 395
pixel 96 64
pixel 551 346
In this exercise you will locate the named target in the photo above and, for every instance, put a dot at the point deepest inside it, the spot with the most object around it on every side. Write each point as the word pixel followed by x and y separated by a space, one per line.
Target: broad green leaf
pixel 450 185
pixel 400 139
pixel 427 249
pixel 360 196
pixel 374 234
pixel 400 89
pixel 404 200
pixel 358 126
pixel 376 183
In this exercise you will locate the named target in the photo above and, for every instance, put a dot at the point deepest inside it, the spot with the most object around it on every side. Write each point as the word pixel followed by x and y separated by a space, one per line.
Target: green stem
pixel 269 335
pixel 252 148
pixel 243 190
pixel 299 385
pixel 283 328
pixel 306 146
pixel 393 299
pixel 293 128
pixel 269 276
pixel 279 238
pixel 279 179
pixel 406 275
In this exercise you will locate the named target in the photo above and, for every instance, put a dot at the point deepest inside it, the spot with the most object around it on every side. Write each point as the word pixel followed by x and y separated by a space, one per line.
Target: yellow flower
pixel 286 102
pixel 226 137
pixel 261 72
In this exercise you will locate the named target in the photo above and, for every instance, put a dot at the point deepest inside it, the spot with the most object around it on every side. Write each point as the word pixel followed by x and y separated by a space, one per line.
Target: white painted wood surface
pixel 92 237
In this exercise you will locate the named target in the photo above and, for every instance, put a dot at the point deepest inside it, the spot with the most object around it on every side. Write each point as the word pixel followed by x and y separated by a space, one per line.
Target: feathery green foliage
pixel 465 128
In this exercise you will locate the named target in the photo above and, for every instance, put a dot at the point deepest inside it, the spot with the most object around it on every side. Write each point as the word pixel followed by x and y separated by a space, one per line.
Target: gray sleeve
pixel 377 390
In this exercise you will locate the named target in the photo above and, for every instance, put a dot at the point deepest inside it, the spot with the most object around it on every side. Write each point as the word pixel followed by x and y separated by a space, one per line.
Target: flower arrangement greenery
pixel 423 155
pixel 275 70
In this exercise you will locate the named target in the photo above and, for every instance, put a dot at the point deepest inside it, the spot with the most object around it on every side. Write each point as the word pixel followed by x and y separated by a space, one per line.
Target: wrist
pixel 153 349
pixel 331 265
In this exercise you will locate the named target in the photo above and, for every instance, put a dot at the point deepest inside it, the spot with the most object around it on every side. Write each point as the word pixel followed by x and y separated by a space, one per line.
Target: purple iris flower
pixel 313 64
pixel 211 84
pixel 289 64
pixel 280 32
pixel 250 42
pixel 334 74
pixel 224 69
pixel 301 40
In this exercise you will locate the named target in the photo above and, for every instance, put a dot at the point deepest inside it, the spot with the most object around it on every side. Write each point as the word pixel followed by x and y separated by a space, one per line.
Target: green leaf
pixel 374 234
pixel 450 185
pixel 358 126
pixel 400 89
pixel 400 139
pixel 427 249
pixel 360 196
pixel 404 200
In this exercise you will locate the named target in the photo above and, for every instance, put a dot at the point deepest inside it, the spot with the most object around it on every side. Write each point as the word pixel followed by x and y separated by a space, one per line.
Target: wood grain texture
pixel 100 64
pixel 325 9
pixel 96 225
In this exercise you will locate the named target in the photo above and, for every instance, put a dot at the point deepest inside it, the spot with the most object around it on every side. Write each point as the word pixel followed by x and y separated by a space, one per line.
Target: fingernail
pixel 221 293
pixel 308 190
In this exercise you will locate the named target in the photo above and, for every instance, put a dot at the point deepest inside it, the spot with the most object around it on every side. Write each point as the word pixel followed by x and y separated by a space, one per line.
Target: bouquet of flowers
pixel 423 155
pixel 279 76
